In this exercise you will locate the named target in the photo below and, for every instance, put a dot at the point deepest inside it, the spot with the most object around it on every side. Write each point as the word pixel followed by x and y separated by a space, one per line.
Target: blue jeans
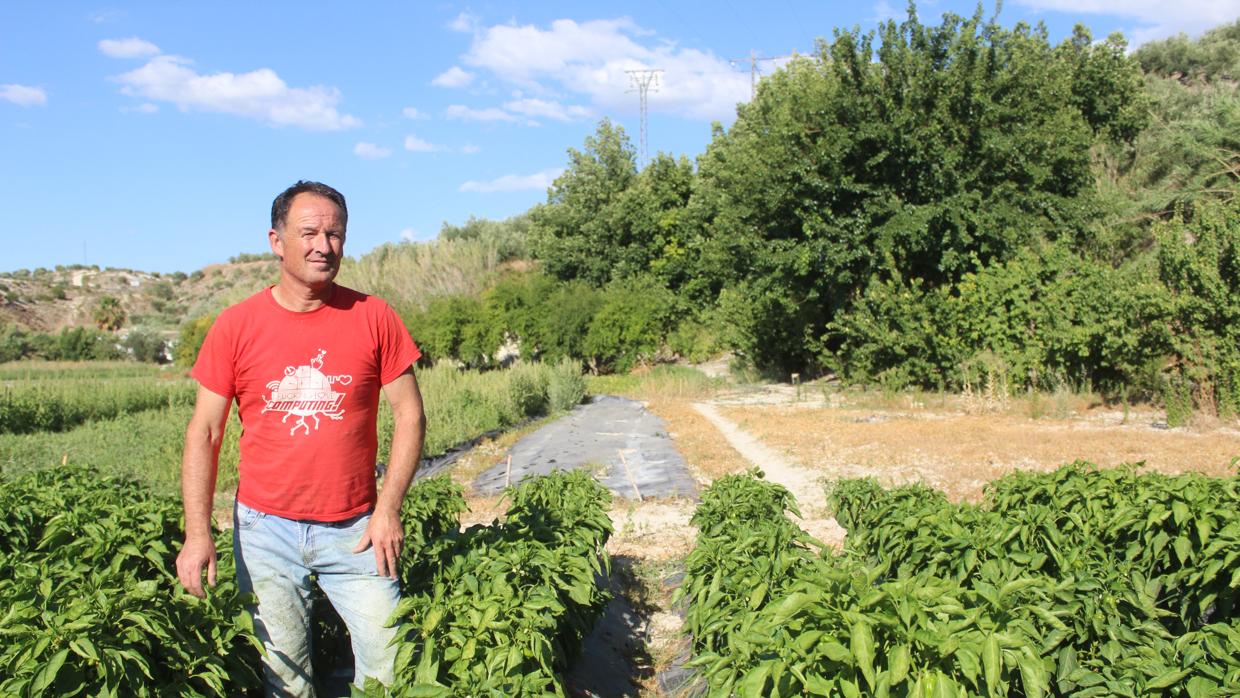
pixel 275 558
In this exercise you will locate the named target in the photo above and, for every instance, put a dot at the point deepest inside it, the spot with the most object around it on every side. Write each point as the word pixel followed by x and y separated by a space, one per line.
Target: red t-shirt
pixel 307 389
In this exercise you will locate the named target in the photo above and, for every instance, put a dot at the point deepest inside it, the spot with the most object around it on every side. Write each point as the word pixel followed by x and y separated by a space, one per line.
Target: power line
pixel 642 81
pixel 754 59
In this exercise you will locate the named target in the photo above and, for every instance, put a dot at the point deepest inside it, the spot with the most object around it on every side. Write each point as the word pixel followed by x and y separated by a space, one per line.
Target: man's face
pixel 312 243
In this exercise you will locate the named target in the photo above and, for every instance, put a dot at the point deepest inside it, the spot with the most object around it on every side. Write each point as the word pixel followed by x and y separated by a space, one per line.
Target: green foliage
pixel 1189 156
pixel 569 233
pixel 146 345
pixel 527 391
pixel 454 327
pixel 1048 319
pixel 92 606
pixel 109 314
pixel 937 152
pixel 566 387
pixel 564 319
pixel 501 609
pixel 464 404
pixel 16 342
pixel 1199 261
pixel 59 405
pixel 1075 583
pixel 631 325
pixel 694 340
pixel 1216 55
pixel 78 344
pixel 193 333
pixel 508 237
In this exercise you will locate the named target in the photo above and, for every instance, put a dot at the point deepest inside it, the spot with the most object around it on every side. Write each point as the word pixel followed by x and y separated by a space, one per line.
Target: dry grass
pixel 707 454
pixel 959 453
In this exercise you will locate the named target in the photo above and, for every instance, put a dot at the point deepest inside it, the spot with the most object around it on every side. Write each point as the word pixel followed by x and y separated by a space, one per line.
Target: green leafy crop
pixel 1080 582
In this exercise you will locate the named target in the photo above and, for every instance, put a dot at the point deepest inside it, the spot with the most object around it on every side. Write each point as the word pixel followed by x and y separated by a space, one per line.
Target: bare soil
pixel 959 453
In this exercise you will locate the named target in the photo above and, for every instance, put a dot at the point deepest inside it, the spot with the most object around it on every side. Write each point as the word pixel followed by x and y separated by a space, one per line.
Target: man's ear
pixel 277 243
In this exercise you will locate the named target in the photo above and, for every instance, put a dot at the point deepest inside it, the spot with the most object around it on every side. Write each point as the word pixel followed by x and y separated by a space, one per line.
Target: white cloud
pixel 1157 18
pixel 883 11
pixel 409 235
pixel 538 180
pixel 417 145
pixel 470 149
pixel 259 94
pixel 413 113
pixel 453 77
pixel 465 22
pixel 545 109
pixel 464 113
pixel 590 59
pixel 23 95
pixel 370 151
pixel 106 16
pixel 133 47
pixel 144 108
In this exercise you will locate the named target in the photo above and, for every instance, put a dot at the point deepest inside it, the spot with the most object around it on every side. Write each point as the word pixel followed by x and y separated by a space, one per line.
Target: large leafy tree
pixel 918 153
pixel 570 233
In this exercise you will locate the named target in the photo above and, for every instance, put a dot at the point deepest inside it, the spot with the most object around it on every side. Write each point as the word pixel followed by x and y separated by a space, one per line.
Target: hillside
pixel 46 300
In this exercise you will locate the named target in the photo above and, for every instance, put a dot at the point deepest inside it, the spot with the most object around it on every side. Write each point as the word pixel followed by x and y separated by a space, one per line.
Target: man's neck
pixel 299 298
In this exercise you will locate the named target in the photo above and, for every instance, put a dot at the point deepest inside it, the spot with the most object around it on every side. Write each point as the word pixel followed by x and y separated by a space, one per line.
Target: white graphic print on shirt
pixel 305 391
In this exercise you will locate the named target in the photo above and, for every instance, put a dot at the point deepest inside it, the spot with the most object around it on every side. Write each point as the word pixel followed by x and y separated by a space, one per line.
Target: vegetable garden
pixel 1080 582
pixel 94 606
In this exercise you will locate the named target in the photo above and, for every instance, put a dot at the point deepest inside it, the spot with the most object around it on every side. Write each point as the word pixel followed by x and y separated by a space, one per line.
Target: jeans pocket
pixel 247 518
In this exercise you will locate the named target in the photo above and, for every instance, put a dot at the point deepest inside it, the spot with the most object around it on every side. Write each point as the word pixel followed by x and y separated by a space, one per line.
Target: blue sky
pixel 153 136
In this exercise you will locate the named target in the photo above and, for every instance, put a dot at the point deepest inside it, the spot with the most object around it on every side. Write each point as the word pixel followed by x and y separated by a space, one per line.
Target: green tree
pixel 16 342
pixel 1214 56
pixel 452 327
pixel 82 344
pixel 569 233
pixel 564 321
pixel 928 154
pixel 1189 154
pixel 649 231
pixel 109 314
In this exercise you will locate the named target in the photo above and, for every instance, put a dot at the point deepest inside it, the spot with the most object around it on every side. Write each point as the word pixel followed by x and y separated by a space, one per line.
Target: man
pixel 305 360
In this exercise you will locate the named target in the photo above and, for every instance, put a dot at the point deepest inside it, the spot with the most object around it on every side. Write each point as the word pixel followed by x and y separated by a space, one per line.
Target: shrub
pixel 631 326
pixel 193 334
pixel 527 391
pixel 146 345
pixel 566 387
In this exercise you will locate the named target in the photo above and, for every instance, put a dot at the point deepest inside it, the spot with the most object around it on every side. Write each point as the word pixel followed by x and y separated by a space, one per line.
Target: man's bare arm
pixel 199 467
pixel 385 532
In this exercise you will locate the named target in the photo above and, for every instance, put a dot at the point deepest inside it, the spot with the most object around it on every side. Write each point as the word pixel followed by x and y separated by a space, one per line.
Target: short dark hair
pixel 279 207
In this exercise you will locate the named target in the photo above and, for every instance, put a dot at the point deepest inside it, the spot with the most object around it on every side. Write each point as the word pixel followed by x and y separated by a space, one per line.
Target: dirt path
pixel 804 484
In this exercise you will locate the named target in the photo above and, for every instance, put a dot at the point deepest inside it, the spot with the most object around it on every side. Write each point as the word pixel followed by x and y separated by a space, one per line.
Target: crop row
pixel 1079 582
pixel 93 607
pixel 500 609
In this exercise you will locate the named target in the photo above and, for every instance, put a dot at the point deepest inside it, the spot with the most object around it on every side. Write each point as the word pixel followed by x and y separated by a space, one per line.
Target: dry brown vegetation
pixel 958 452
